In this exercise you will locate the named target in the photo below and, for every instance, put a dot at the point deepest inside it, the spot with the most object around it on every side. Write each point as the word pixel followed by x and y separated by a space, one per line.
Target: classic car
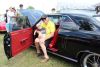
pixel 76 38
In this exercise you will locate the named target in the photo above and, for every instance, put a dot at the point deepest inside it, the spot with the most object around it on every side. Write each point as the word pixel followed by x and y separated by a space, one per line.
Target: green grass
pixel 28 58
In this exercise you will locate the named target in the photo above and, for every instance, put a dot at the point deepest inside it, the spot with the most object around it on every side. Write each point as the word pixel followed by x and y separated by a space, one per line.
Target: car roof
pixel 80 11
pixel 68 14
pixel 52 14
pixel 74 14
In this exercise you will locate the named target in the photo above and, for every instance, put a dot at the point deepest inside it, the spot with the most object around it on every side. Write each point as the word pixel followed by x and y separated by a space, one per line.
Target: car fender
pixel 79 54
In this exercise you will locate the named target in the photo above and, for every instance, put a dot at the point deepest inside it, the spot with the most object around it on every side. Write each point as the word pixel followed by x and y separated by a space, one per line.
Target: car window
pixel 98 19
pixel 19 23
pixel 55 18
pixel 85 23
pixel 67 23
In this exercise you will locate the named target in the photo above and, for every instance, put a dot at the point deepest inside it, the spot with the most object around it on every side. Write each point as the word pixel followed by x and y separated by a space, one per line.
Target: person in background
pixel 53 10
pixel 46 31
pixel 21 6
pixel 10 15
pixel 97 9
pixel 20 9
pixel 5 15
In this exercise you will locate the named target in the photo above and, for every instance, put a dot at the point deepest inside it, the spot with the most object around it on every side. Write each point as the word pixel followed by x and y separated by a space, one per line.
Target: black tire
pixel 90 60
pixel 7 45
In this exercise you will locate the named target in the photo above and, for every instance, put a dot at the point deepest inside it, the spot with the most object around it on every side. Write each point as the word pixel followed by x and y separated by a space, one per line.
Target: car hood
pixel 81 34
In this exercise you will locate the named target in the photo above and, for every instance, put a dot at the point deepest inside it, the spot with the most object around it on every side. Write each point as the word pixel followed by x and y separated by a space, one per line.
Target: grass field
pixel 28 58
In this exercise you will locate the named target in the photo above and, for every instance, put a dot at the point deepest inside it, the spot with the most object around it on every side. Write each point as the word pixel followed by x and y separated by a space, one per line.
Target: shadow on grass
pixel 60 60
pixel 73 64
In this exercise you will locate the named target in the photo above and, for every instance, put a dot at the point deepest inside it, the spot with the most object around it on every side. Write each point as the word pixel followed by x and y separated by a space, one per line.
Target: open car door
pixel 17 41
pixel 21 36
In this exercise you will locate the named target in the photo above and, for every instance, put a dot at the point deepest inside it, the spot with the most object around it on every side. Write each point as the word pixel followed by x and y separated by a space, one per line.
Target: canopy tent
pixel 33 15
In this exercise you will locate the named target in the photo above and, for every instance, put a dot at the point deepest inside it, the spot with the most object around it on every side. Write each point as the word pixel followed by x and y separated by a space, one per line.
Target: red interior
pixel 54 39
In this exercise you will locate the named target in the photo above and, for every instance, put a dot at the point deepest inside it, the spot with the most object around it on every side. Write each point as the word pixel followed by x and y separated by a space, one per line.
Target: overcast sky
pixel 46 5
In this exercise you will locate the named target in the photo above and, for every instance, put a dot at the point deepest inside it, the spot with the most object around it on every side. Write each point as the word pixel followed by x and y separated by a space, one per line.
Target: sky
pixel 46 5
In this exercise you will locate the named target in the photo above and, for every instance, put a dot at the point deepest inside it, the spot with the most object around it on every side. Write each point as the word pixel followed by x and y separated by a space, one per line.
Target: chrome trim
pixel 63 56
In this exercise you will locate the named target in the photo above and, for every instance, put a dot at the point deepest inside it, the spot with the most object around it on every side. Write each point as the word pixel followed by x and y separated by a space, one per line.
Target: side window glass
pixel 67 23
pixel 19 23
pixel 55 19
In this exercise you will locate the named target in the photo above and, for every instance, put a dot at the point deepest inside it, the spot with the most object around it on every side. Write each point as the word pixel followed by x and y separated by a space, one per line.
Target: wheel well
pixel 80 54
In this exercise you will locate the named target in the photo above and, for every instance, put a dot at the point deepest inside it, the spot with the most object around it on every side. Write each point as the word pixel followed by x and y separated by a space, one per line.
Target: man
pixel 10 14
pixel 53 10
pixel 21 6
pixel 6 16
pixel 42 40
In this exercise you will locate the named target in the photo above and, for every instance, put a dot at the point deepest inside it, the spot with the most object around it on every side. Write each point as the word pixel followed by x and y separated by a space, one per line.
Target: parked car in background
pixel 2 24
pixel 76 38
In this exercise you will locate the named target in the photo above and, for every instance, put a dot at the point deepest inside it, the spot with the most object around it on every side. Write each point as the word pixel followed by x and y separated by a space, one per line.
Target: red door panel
pixel 21 40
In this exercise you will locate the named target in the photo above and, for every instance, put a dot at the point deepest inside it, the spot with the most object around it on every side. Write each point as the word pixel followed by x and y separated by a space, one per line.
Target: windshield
pixel 98 19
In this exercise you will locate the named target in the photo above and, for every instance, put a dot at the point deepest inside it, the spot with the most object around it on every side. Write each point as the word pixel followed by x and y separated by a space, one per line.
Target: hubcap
pixel 95 64
pixel 92 60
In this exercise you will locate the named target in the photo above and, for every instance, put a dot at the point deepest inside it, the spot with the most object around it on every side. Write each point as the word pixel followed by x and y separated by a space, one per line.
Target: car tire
pixel 7 44
pixel 90 60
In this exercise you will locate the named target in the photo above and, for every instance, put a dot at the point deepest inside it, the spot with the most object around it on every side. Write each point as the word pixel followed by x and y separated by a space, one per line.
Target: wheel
pixel 90 60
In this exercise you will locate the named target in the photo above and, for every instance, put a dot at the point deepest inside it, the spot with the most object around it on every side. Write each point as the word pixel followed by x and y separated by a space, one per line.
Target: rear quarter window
pixel 85 23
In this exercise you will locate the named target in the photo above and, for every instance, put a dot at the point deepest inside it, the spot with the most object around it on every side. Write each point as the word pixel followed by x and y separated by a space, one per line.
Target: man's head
pixel 21 6
pixel 7 10
pixel 13 9
pixel 45 19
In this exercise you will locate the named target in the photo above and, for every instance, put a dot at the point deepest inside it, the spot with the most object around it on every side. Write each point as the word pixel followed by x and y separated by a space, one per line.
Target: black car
pixel 77 38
